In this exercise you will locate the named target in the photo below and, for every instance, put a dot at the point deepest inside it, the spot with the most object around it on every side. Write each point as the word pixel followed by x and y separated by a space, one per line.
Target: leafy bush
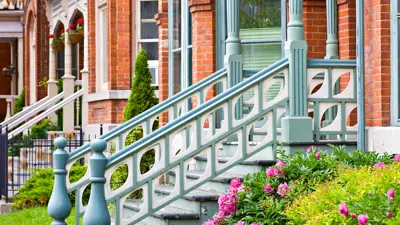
pixel 37 189
pixel 20 102
pixel 360 191
pixel 40 130
pixel 263 197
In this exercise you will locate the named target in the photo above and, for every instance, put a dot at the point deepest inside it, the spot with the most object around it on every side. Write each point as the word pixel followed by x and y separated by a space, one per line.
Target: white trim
pixel 108 95
pixel 394 68
pixel 102 48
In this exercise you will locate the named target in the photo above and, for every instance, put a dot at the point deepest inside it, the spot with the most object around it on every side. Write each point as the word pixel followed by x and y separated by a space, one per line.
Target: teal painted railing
pixel 199 134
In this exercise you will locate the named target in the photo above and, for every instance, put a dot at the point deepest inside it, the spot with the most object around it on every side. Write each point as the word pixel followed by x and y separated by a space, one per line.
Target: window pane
pixel 260 14
pixel 153 75
pixel 259 56
pixel 151 49
pixel 176 32
pixel 148 30
pixel 190 28
pixel 177 71
pixel 148 9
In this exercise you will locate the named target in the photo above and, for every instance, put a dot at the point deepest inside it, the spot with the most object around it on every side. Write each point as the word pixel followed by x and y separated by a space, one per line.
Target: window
pixel 395 60
pixel 147 34
pixel 262 32
pixel 102 47
pixel 180 40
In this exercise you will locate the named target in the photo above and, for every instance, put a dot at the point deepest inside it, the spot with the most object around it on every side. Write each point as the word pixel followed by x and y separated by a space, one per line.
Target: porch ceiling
pixel 10 29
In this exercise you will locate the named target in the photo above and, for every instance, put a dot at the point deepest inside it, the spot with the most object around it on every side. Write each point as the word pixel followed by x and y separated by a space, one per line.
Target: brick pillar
pixel 91 23
pixel 314 19
pixel 204 41
pixel 377 66
pixel 162 22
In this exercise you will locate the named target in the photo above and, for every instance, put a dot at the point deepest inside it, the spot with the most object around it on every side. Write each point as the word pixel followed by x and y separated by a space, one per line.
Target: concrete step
pixel 218 184
pixel 192 201
pixel 245 167
pixel 169 215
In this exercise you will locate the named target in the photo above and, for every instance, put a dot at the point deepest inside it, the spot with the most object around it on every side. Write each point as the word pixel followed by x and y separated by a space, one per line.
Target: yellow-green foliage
pixel 363 190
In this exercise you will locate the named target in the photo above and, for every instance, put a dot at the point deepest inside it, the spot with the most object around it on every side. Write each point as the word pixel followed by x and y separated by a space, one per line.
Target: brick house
pixel 102 63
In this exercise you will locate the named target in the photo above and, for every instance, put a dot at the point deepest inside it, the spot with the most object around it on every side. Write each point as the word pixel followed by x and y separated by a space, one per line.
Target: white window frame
pixel 153 64
pixel 102 47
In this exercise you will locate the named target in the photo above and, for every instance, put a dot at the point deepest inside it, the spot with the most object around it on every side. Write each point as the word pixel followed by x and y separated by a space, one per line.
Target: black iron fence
pixel 20 157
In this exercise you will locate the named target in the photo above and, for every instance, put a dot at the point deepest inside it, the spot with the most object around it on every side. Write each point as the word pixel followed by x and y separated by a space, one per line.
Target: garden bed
pixel 316 188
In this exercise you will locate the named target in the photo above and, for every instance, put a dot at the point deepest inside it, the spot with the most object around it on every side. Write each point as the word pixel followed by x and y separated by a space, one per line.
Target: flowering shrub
pixel 263 197
pixel 357 196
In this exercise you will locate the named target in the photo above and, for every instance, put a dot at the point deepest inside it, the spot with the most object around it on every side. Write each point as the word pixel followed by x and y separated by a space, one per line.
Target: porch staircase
pixel 201 149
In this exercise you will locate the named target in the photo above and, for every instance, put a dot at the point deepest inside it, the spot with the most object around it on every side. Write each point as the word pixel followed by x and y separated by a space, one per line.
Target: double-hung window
pixel 180 42
pixel 147 34
pixel 102 46
pixel 262 32
pixel 395 60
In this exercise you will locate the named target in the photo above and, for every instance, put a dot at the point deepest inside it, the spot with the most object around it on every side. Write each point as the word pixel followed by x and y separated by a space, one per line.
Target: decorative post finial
pixel 96 211
pixel 59 206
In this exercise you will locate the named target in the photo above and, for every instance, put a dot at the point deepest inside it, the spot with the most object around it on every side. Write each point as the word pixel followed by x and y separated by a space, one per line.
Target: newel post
pixel 233 58
pixel 297 126
pixel 97 212
pixel 59 206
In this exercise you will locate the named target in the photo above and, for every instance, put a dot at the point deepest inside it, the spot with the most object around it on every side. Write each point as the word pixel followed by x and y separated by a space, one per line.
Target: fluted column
pixel 332 48
pixel 68 87
pixel 233 57
pixel 297 126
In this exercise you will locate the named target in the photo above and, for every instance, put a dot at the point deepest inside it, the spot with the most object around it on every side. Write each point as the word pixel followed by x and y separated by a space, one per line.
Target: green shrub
pixel 20 102
pixel 364 190
pixel 39 131
pixel 37 189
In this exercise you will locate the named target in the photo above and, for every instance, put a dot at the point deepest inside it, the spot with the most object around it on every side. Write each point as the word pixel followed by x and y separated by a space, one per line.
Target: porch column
pixel 233 57
pixel 85 72
pixel 52 89
pixel 68 88
pixel 20 65
pixel 297 126
pixel 332 43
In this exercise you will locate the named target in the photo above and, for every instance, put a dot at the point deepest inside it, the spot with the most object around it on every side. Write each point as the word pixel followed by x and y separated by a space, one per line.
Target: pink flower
pixel 219 218
pixel 283 189
pixel 280 164
pixel 379 165
pixel 390 194
pixel 239 223
pixel 268 189
pixel 397 158
pixel 271 171
pixel 362 219
pixel 227 205
pixel 343 209
pixel 209 222
pixel 353 215
pixel 389 214
pixel 318 155
pixel 311 148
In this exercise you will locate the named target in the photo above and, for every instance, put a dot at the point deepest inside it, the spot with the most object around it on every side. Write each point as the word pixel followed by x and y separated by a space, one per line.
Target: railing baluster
pixel 59 206
pixel 97 212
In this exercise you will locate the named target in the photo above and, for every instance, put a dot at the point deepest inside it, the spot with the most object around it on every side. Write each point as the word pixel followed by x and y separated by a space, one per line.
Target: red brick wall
pixel 314 18
pixel 162 21
pixel 5 52
pixel 106 112
pixel 119 59
pixel 36 10
pixel 377 62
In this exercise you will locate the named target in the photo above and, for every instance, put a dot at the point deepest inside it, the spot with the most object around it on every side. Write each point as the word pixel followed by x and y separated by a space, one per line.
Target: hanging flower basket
pixel 58 47
pixel 79 26
pixel 75 38
pixel 81 32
